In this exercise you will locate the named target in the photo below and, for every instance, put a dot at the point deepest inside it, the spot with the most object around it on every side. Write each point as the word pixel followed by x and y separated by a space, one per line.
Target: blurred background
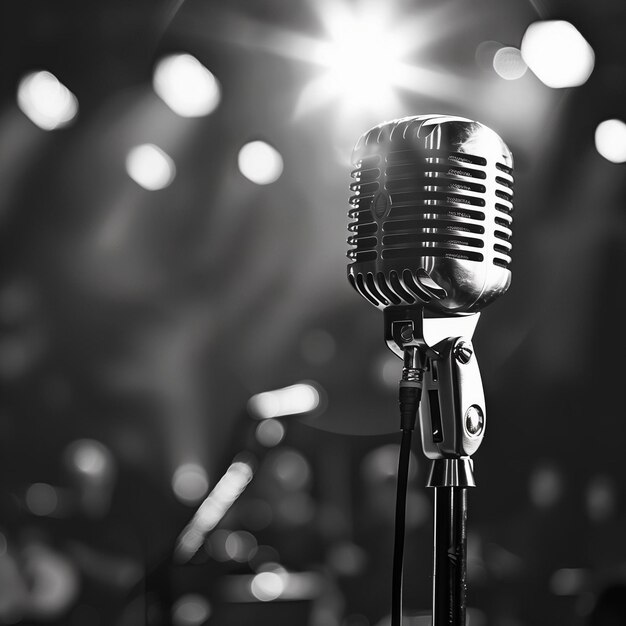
pixel 197 414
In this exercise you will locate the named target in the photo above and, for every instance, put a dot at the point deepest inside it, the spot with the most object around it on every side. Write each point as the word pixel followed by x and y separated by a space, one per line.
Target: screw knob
pixel 474 420
pixel 463 352
pixel 406 332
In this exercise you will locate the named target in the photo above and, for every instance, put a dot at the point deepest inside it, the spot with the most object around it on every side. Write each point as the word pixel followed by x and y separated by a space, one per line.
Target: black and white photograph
pixel 310 313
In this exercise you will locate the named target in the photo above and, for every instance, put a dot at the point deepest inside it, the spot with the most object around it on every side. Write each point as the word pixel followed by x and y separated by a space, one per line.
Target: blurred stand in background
pixel 173 197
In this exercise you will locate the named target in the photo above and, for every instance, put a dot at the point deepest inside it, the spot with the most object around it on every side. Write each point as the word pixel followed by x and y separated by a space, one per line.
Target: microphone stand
pixel 439 358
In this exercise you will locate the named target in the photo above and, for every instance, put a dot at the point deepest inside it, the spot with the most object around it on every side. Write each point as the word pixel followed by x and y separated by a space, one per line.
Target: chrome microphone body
pixel 430 246
pixel 431 215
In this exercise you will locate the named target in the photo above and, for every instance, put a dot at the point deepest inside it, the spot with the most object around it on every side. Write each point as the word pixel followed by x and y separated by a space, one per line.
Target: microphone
pixel 430 245
pixel 431 215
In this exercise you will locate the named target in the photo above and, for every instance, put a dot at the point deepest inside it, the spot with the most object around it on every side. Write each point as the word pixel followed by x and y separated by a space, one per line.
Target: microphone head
pixel 431 215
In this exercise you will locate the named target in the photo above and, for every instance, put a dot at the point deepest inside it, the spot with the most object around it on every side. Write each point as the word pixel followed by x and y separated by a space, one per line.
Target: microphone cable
pixel 409 398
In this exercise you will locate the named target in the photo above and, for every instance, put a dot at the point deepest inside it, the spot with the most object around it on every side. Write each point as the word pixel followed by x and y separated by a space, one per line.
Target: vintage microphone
pixel 430 246
pixel 432 215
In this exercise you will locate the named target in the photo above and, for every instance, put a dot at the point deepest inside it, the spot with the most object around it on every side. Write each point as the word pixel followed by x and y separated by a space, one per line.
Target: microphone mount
pixel 441 368
pixel 439 356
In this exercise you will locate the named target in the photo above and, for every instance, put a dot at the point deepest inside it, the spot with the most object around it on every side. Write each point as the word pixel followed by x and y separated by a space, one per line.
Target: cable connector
pixel 409 396
pixel 410 392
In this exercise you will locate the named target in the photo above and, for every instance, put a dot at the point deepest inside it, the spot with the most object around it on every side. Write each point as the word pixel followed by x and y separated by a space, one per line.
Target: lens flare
pixel 267 586
pixel 190 483
pixel 260 162
pixel 508 63
pixel 46 101
pixel 150 167
pixel 610 140
pixel 292 400
pixel 213 509
pixel 186 86
pixel 557 53
pixel 362 57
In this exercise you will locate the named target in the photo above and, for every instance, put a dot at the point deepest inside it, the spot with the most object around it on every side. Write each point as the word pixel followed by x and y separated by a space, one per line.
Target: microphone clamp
pixel 443 365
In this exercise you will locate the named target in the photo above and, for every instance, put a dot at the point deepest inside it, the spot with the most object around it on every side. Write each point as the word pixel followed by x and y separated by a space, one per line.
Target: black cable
pixel 398 546
pixel 409 399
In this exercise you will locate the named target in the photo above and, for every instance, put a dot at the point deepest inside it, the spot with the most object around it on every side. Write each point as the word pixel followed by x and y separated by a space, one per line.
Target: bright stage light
pixel 557 53
pixel 186 86
pixel 508 63
pixel 292 400
pixel 260 162
pixel 213 509
pixel 273 583
pixel 90 458
pixel 362 58
pixel 611 140
pixel 45 101
pixel 150 167
pixel 267 586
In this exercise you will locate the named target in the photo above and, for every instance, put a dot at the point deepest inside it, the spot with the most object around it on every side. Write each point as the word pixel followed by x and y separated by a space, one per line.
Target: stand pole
pixel 450 556
pixel 449 392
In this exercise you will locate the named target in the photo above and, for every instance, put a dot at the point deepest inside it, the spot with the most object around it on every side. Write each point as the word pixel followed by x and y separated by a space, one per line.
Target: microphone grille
pixel 430 215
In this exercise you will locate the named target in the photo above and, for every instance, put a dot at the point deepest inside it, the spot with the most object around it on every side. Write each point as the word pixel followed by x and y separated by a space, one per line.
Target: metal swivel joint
pixel 441 383
pixel 452 413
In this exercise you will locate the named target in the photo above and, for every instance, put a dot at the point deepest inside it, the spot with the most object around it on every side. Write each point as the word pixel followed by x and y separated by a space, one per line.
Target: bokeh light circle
pixel 610 139
pixel 260 162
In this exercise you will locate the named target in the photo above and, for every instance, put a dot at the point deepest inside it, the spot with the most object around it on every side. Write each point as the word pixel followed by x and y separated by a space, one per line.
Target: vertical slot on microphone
pixel 434 371
pixel 435 415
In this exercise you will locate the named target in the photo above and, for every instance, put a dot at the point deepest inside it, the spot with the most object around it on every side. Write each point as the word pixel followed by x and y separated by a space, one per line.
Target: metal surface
pixel 474 420
pixel 449 389
pixel 450 556
pixel 463 352
pixel 452 473
pixel 431 215
pixel 415 327
pixel 430 246
pixel 413 369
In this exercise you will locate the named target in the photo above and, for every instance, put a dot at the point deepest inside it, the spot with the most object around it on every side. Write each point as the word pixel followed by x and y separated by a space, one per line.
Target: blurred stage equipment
pixel 230 486
pixel 296 399
pixel 303 398
pixel 431 224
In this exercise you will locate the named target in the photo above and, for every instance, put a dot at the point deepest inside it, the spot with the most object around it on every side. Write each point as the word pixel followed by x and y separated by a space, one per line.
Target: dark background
pixel 138 324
